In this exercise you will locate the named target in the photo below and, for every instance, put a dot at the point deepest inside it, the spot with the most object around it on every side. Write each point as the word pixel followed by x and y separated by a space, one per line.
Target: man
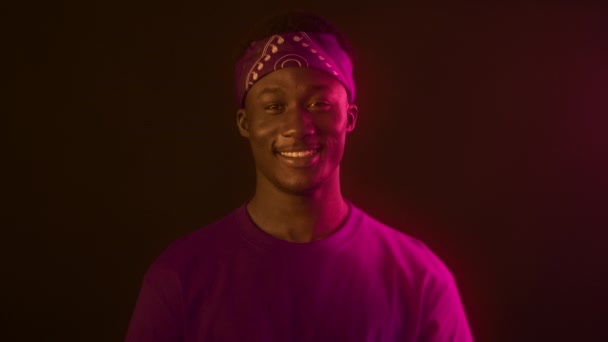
pixel 297 262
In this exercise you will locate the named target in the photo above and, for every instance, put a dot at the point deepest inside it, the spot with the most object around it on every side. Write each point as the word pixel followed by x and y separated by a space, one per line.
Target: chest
pixel 264 299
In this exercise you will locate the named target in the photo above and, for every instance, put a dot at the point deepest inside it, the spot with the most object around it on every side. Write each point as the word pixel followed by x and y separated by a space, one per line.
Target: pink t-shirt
pixel 230 281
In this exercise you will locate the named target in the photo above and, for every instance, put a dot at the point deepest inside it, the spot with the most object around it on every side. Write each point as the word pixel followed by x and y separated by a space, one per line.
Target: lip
pixel 298 148
pixel 299 157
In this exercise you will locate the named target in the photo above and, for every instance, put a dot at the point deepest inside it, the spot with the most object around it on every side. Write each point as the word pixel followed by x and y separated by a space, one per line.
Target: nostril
pixel 299 127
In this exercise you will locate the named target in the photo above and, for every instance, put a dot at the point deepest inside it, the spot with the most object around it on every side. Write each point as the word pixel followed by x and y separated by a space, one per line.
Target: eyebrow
pixel 319 87
pixel 271 90
pixel 276 90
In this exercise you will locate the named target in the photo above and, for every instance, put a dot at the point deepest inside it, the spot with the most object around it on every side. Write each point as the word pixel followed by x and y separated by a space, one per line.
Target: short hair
pixel 292 21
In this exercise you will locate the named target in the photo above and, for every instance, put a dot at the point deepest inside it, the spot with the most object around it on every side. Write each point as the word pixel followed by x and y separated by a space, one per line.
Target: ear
pixel 351 117
pixel 242 122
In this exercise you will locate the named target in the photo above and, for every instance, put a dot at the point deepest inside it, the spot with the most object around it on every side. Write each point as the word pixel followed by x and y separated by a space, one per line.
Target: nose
pixel 298 123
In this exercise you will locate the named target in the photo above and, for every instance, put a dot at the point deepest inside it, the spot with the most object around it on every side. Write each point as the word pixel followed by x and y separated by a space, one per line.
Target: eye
pixel 319 105
pixel 274 107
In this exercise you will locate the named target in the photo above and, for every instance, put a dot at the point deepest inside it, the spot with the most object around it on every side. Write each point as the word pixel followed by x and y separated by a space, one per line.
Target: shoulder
pixel 406 252
pixel 194 248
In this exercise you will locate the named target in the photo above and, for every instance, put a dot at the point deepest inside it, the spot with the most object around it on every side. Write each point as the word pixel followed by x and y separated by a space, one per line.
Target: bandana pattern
pixel 319 51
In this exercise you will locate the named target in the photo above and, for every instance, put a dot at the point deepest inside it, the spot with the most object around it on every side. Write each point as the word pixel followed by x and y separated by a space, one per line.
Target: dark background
pixel 482 131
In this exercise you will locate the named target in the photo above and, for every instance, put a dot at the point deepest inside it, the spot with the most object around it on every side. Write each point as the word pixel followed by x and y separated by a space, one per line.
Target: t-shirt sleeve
pixel 443 318
pixel 158 313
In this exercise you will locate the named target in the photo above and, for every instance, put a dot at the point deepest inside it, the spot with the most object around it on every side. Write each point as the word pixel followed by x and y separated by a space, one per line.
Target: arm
pixel 158 313
pixel 444 319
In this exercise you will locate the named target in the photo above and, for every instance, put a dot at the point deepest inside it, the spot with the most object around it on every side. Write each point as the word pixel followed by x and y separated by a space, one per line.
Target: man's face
pixel 296 120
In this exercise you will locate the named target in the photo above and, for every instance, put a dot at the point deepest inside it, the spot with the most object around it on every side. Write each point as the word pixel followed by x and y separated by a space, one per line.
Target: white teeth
pixel 299 154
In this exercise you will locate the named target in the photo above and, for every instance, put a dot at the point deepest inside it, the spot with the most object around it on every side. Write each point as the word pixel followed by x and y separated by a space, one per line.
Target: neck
pixel 297 217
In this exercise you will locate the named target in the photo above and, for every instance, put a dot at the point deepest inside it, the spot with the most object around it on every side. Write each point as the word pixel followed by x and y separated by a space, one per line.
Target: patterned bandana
pixel 315 50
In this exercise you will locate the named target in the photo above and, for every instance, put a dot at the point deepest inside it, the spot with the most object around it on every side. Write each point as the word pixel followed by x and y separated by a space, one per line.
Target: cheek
pixel 332 126
pixel 336 145
pixel 262 131
pixel 262 139
pixel 334 121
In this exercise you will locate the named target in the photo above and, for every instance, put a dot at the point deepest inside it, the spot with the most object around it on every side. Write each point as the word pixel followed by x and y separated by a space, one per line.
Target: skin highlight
pixel 296 120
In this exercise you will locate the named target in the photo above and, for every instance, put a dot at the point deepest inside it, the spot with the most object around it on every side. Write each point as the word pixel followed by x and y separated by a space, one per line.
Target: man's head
pixel 294 38
pixel 296 94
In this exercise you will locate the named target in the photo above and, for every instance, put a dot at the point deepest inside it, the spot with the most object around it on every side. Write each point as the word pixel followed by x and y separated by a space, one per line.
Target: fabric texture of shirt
pixel 230 281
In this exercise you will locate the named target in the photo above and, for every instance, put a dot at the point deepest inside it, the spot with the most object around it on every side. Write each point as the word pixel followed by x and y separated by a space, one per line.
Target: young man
pixel 297 262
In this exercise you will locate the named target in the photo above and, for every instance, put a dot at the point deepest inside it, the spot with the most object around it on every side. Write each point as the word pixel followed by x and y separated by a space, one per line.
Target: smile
pixel 299 154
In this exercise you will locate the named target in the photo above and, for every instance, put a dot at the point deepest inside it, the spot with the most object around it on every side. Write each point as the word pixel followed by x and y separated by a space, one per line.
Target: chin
pixel 299 187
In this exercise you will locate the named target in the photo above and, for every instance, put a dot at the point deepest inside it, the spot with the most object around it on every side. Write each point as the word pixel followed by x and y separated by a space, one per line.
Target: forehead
pixel 297 80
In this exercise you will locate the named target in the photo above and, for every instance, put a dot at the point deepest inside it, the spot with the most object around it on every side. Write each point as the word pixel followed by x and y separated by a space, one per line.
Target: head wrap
pixel 315 50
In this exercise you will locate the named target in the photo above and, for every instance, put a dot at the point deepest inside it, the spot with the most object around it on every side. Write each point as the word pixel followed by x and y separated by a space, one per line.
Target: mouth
pixel 302 158
pixel 299 154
